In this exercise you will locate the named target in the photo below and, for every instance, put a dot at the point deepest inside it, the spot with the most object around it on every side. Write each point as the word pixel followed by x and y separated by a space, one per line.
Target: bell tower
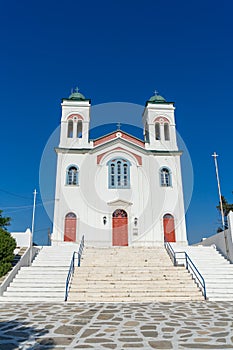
pixel 75 121
pixel 159 124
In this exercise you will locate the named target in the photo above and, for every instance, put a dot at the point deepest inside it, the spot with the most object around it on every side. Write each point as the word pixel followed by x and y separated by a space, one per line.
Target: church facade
pixel 118 190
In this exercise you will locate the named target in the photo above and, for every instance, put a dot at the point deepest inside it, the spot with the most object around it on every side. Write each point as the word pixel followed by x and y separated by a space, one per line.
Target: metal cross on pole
pixel 215 155
pixel 33 222
pixel 118 126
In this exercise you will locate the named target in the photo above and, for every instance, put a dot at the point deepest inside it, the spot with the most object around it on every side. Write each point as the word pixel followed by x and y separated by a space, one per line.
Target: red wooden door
pixel 169 228
pixel 70 228
pixel 119 228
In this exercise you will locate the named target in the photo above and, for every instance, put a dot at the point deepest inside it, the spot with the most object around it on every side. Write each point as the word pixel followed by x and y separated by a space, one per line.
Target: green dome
pixel 76 95
pixel 157 99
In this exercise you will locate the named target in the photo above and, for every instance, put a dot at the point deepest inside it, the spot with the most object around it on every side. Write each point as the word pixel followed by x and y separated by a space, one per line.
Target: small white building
pixel 22 238
pixel 118 189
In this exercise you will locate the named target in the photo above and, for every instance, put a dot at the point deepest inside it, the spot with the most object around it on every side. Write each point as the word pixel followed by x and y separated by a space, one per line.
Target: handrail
pixel 189 265
pixel 71 268
pixel 70 274
pixel 171 252
pixel 195 271
pixel 80 251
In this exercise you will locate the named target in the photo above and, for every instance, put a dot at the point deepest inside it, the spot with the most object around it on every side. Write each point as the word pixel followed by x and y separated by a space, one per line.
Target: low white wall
pixel 24 261
pixel 22 238
pixel 222 240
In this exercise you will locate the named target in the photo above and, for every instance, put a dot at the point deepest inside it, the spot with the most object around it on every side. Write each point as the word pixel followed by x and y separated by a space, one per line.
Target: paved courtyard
pixel 193 325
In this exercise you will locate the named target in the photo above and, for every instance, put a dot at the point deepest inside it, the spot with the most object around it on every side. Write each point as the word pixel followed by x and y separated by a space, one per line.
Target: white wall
pixel 145 200
pixel 22 238
pixel 222 240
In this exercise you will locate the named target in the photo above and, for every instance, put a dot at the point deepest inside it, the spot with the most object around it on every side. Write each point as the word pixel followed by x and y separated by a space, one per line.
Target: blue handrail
pixel 72 265
pixel 70 274
pixel 188 264
pixel 171 252
pixel 193 269
pixel 80 251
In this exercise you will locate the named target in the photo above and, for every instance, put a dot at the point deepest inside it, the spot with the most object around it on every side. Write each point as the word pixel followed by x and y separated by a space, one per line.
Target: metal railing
pixel 171 253
pixel 194 271
pixel 72 266
pixel 80 251
pixel 189 265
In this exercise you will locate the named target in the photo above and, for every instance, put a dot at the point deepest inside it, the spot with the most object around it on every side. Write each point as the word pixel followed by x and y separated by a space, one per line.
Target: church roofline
pixel 128 139
pixel 118 130
pixel 97 148
pixel 75 100
pixel 159 103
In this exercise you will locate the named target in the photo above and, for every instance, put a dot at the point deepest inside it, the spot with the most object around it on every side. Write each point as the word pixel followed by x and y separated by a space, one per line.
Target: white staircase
pixel 215 269
pixel 127 274
pixel 45 279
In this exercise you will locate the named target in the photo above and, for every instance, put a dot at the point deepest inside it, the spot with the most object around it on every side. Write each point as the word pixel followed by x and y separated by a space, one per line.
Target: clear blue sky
pixel 115 51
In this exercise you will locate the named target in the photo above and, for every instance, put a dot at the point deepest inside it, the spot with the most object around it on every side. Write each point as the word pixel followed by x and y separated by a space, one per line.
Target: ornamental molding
pixel 119 203
pixel 137 157
pixel 75 116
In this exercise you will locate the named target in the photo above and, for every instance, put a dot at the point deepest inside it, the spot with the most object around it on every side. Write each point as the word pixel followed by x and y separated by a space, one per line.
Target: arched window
pixel 79 129
pixel 72 175
pixel 166 132
pixel 70 129
pixel 165 177
pixel 119 173
pixel 157 131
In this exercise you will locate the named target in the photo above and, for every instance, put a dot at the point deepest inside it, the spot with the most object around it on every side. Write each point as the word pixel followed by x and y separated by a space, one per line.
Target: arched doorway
pixel 169 228
pixel 119 228
pixel 70 228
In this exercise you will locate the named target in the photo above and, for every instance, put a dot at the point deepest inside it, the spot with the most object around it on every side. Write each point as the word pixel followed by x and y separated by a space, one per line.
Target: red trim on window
pixel 100 156
pixel 161 120
pixel 78 116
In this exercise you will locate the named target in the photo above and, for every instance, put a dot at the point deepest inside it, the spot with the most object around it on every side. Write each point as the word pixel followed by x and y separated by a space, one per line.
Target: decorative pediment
pixel 119 203
pixel 119 135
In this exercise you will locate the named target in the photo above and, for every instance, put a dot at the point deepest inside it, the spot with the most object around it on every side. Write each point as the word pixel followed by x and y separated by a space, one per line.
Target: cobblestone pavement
pixel 193 325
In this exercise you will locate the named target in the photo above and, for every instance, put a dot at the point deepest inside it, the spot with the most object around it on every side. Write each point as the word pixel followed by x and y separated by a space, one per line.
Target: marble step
pixel 129 276
pixel 45 278
pixel 135 293
pixel 37 283
pixel 35 288
pixel 136 289
pixel 14 299
pixel 47 268
pixel 124 282
pixel 136 299
pixel 221 298
pixel 42 272
pixel 35 293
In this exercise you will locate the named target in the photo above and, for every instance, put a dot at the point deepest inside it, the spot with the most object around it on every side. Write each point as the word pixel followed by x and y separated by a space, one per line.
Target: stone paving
pixel 177 325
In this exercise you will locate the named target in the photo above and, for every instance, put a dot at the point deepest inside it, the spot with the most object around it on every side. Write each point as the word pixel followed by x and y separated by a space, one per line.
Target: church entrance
pixel 169 228
pixel 70 227
pixel 119 228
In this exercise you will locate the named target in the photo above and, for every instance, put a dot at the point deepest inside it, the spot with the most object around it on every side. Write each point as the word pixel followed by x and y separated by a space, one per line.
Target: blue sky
pixel 115 51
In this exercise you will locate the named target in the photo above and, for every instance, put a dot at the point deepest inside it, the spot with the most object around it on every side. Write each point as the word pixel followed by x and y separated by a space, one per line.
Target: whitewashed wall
pixel 222 240
pixel 145 200
pixel 22 238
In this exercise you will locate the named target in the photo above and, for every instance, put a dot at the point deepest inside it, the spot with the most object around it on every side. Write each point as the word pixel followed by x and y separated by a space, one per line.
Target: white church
pixel 118 190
